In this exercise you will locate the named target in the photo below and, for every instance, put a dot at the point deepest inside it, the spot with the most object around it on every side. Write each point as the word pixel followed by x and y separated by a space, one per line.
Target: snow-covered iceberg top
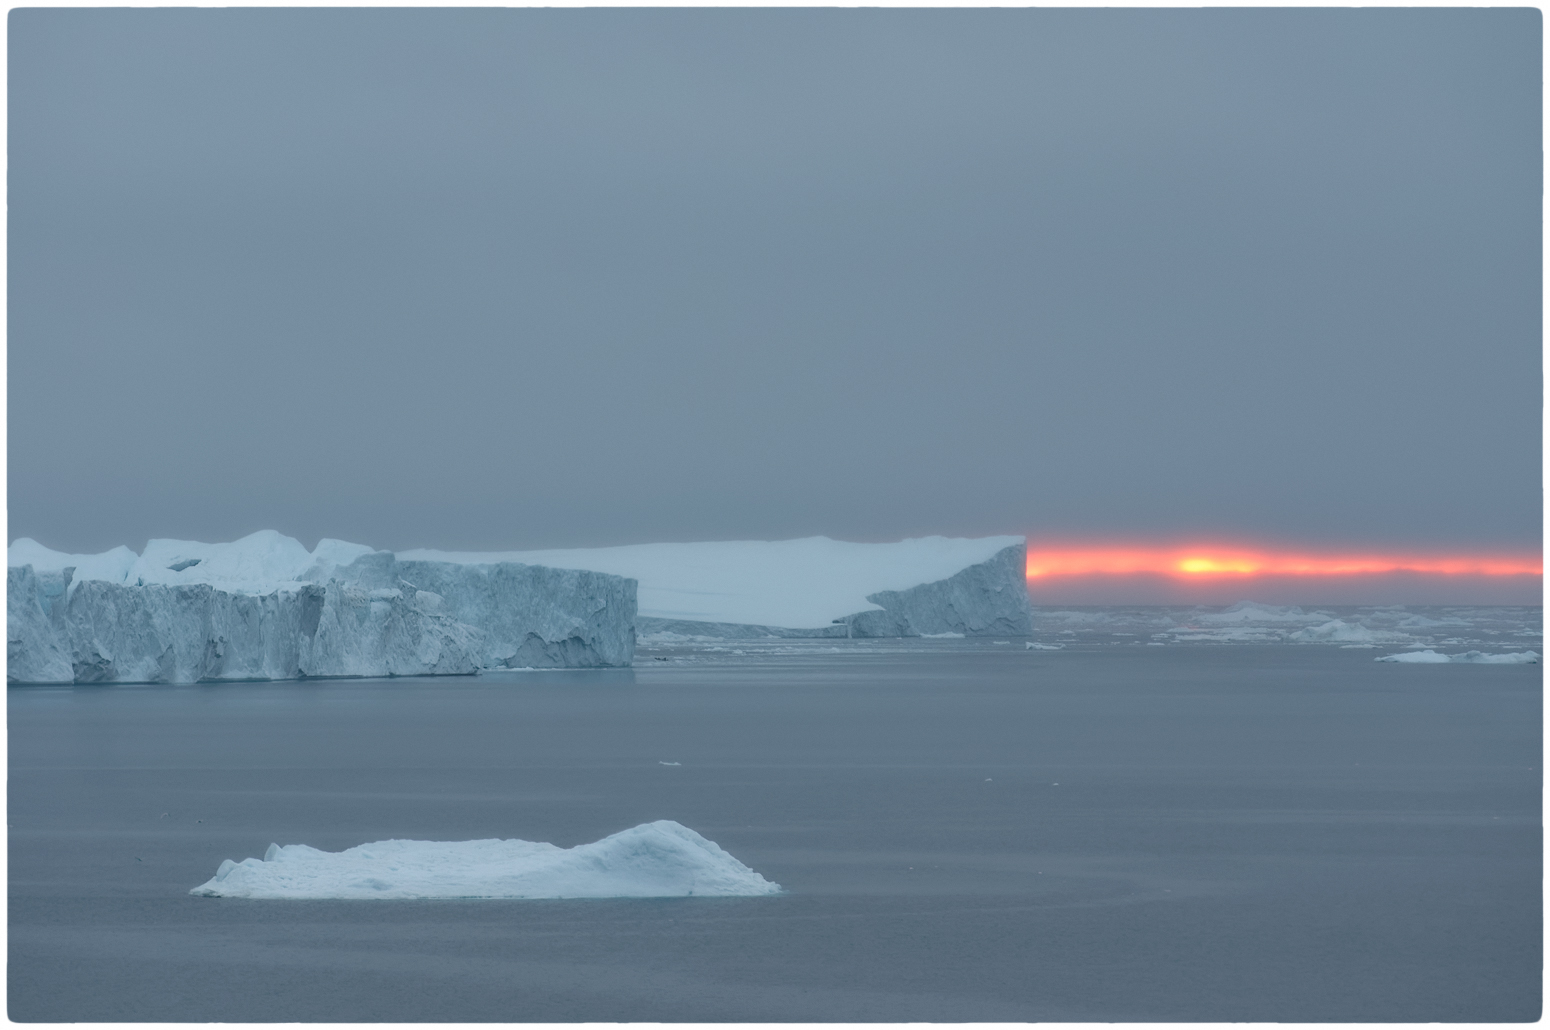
pixel 1430 657
pixel 259 563
pixel 654 860
pixel 807 582
pixel 111 566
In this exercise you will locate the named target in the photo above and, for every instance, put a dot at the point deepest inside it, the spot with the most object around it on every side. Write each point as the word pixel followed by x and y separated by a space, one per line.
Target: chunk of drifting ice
pixel 654 860
pixel 1427 657
pixel 1481 658
pixel 1430 657
pixel 1336 631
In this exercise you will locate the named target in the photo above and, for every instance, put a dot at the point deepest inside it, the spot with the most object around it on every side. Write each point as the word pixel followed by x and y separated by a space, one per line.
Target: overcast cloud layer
pixel 522 278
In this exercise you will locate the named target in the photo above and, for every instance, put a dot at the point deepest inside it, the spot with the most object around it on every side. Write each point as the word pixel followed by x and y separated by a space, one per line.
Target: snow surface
pixel 259 563
pixel 654 860
pixel 111 566
pixel 798 583
pixel 1430 657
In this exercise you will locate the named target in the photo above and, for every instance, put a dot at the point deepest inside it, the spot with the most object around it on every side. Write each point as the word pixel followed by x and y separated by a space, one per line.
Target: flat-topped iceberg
pixel 654 860
pixel 809 587
pixel 266 608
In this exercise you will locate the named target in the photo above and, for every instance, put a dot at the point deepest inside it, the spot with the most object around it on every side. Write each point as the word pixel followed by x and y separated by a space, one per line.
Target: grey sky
pixel 528 278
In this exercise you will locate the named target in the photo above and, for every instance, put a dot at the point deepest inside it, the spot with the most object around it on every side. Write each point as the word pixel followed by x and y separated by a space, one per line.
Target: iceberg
pixel 265 608
pixel 1430 657
pixel 661 859
pixel 812 587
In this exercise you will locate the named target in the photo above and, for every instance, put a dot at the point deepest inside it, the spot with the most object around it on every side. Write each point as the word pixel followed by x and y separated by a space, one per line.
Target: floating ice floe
pixel 654 860
pixel 1430 657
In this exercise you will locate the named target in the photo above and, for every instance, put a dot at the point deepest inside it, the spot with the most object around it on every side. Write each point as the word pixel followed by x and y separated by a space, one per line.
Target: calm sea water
pixel 966 831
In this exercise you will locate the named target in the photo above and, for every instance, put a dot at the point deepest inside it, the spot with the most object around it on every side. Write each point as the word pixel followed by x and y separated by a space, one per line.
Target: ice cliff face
pixel 990 598
pixel 33 651
pixel 374 616
pixel 114 633
pixel 393 616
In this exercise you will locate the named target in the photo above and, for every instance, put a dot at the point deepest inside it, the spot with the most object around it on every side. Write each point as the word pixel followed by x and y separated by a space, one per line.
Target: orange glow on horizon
pixel 1197 563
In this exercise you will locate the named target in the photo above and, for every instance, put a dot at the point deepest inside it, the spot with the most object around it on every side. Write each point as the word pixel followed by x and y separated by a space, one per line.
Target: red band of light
pixel 1193 563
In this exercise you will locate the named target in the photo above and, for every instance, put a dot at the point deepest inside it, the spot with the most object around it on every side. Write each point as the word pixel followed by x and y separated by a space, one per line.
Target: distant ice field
pixel 1491 630
pixel 1249 622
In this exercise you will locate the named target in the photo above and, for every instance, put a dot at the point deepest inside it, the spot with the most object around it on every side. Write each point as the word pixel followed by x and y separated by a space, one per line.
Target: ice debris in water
pixel 662 859
pixel 1429 657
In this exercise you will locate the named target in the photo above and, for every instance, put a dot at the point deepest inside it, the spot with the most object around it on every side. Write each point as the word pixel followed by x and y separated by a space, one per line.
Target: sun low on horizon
pixel 1109 572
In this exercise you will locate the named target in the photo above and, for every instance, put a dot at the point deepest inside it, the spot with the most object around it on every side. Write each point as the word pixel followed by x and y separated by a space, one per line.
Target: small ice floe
pixel 654 860
pixel 1430 657
pixel 1031 646
pixel 670 763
